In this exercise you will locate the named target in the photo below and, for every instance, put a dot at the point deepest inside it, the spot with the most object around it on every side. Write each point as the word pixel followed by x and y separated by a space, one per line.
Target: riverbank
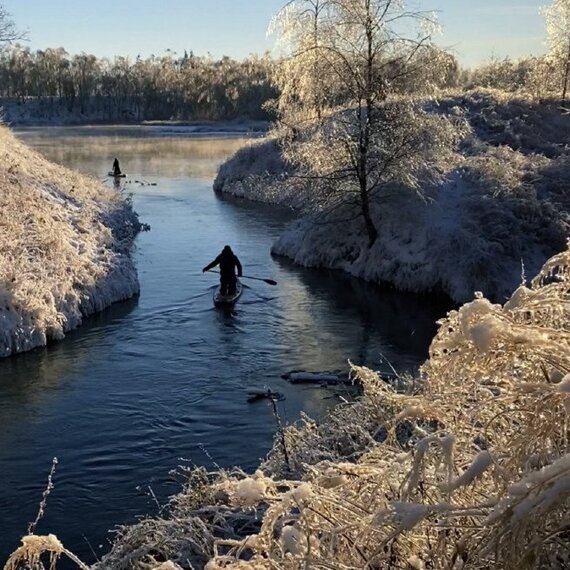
pixel 471 470
pixel 65 248
pixel 502 209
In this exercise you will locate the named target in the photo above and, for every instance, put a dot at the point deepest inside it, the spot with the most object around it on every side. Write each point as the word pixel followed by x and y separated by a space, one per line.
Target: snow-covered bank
pixel 65 248
pixel 260 173
pixel 503 207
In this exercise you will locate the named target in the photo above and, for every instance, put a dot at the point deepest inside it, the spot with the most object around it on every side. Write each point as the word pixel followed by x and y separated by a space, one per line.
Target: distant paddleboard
pixel 123 175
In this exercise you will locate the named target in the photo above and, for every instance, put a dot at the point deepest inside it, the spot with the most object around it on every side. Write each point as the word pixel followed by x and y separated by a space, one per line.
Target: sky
pixel 474 30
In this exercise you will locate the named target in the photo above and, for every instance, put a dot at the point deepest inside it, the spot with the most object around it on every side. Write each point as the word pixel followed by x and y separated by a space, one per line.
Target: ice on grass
pixel 65 248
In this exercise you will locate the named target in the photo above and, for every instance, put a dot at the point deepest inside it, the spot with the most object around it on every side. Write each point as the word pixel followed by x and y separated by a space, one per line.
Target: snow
pixel 293 540
pixel 416 563
pixel 249 492
pixel 536 492
pixel 405 515
pixel 65 248
pixel 502 207
pixel 484 333
pixel 518 298
pixel 302 493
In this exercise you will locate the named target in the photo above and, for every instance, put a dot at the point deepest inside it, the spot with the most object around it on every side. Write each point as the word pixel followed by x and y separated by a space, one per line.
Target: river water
pixel 162 380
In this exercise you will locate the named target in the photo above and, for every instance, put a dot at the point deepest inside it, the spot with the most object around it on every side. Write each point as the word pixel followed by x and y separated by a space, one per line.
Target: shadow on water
pixel 405 321
pixel 27 375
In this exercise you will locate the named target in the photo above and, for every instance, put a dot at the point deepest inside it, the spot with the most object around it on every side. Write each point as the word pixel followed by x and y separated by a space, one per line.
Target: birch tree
pixel 557 17
pixel 344 61
pixel 8 31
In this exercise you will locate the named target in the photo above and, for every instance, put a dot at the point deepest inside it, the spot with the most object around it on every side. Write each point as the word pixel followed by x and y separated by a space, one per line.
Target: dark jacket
pixel 228 262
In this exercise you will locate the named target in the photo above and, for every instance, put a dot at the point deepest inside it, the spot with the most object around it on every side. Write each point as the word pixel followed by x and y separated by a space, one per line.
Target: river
pixel 162 380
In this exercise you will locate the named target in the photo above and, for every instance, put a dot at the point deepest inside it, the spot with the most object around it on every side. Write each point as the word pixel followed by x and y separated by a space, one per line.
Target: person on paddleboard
pixel 228 262
pixel 116 167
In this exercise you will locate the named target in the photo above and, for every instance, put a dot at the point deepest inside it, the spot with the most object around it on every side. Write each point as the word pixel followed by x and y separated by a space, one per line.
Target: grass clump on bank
pixel 65 243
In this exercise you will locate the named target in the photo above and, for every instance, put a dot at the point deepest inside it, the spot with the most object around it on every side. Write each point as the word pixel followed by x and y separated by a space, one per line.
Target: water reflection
pixel 406 321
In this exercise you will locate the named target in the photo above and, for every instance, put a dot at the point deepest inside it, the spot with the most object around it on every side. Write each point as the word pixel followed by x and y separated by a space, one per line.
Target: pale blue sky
pixel 475 29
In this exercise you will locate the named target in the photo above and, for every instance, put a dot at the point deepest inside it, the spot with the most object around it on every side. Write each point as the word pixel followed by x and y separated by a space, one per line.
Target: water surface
pixel 162 380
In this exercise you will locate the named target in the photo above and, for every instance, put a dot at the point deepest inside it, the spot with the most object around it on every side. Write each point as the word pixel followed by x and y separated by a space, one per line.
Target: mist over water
pixel 162 380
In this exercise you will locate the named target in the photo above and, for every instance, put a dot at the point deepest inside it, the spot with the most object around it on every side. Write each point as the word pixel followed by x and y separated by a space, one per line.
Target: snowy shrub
pixel 499 118
pixel 504 74
pixel 65 243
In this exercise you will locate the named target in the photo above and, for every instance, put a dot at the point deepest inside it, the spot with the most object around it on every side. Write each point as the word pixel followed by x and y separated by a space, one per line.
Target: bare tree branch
pixel 9 33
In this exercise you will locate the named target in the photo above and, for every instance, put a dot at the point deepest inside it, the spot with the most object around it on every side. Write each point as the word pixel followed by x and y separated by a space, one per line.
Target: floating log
pixel 268 394
pixel 326 378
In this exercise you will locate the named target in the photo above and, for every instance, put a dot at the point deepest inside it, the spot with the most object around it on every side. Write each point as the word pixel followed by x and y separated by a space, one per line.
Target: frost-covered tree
pixel 344 59
pixel 506 74
pixel 305 83
pixel 557 17
pixel 8 30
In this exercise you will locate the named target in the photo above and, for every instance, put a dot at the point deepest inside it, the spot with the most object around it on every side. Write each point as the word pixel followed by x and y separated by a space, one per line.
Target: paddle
pixel 268 281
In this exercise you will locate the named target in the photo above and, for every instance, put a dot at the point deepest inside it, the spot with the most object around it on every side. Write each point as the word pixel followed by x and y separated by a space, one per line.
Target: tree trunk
pixel 565 78
pixel 365 132
pixel 365 204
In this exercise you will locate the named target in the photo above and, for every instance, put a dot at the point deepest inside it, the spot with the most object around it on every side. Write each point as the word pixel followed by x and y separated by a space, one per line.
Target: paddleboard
pixel 227 300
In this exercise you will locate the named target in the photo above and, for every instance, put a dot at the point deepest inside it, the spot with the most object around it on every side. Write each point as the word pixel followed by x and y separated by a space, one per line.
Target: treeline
pixel 49 83
pixel 154 88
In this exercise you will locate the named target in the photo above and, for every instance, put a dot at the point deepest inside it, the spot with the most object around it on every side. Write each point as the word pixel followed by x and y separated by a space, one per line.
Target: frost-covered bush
pixel 504 74
pixel 481 481
pixel 65 243
pixel 466 467
pixel 498 118
pixel 257 172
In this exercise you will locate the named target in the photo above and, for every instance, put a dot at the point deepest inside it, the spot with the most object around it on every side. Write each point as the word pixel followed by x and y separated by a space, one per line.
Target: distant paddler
pixel 116 168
